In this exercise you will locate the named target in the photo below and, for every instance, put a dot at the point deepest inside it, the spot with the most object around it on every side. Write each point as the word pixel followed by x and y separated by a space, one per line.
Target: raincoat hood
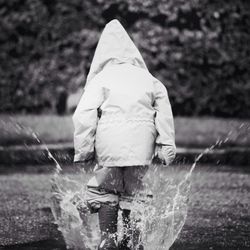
pixel 114 47
pixel 124 112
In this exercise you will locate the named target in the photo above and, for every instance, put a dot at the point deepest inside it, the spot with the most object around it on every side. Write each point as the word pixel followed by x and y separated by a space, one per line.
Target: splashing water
pixel 162 217
pixel 159 216
pixel 80 230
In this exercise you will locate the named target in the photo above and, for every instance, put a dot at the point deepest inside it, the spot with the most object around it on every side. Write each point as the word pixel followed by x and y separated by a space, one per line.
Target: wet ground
pixel 218 216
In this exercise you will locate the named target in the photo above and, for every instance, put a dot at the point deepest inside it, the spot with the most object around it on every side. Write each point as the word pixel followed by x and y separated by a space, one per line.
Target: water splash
pixel 58 167
pixel 80 230
pixel 158 218
pixel 159 212
pixel 162 218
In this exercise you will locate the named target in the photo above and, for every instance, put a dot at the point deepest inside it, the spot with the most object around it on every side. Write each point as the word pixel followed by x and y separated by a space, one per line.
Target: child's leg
pixel 104 187
pixel 102 196
pixel 125 242
pixel 108 227
pixel 133 185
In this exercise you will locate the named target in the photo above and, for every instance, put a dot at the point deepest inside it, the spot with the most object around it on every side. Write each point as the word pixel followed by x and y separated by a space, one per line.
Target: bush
pixel 199 49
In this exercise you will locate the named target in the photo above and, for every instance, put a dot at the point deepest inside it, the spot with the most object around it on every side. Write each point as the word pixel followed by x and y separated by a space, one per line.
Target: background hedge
pixel 200 49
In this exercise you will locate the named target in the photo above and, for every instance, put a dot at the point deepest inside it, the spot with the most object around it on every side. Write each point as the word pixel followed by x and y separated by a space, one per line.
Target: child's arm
pixel 165 141
pixel 85 121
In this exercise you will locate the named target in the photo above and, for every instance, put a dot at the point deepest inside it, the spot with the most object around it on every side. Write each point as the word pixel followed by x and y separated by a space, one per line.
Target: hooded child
pixel 122 122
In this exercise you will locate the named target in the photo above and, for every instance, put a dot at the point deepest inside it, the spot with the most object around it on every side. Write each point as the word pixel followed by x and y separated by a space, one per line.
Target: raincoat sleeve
pixel 165 140
pixel 85 121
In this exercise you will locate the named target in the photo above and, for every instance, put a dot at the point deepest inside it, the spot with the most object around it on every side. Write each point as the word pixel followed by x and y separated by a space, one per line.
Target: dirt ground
pixel 218 216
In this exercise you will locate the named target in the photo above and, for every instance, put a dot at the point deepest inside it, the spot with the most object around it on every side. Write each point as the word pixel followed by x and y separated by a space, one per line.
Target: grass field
pixel 192 132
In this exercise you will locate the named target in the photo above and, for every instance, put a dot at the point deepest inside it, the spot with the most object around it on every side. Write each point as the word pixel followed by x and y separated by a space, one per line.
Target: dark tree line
pixel 200 49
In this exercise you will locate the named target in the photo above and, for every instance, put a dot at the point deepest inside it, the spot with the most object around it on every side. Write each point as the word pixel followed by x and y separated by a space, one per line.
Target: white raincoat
pixel 124 112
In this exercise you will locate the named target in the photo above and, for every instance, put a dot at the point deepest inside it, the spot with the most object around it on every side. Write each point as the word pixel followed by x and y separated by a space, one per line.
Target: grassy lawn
pixel 195 132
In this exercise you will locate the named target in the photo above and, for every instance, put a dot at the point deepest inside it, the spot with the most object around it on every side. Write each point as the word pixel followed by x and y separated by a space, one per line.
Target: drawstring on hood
pixel 114 47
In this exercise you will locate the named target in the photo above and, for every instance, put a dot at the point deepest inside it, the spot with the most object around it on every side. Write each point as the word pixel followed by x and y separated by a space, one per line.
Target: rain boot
pixel 126 239
pixel 136 236
pixel 108 225
pixel 131 233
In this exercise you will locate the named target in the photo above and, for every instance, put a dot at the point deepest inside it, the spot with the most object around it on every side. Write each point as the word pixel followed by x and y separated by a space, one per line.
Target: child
pixel 122 121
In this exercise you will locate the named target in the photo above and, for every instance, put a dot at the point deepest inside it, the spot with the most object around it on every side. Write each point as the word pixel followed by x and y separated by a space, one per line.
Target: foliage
pixel 198 48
